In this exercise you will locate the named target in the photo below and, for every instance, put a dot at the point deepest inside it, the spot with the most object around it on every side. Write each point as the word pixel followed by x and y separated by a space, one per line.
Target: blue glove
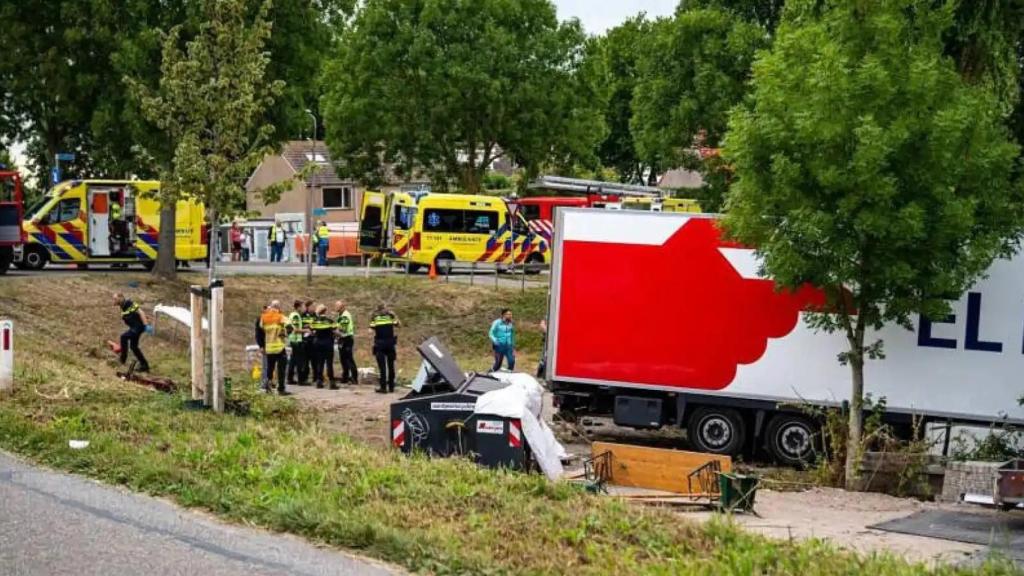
pixel 149 329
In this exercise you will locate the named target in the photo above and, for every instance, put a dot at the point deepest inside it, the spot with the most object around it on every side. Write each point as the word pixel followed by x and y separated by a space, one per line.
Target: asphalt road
pixel 56 524
pixel 293 269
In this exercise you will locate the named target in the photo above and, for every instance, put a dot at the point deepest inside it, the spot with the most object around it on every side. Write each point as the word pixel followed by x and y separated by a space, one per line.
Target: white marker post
pixel 6 356
pixel 217 346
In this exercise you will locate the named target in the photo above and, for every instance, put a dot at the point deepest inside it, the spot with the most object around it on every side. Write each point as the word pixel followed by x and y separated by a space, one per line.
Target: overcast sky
pixel 600 15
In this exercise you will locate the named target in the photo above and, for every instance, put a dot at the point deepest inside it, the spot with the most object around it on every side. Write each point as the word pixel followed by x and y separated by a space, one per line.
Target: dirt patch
pixel 842 518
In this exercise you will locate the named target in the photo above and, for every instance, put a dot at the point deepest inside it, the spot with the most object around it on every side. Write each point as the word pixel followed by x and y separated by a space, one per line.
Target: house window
pixel 337 198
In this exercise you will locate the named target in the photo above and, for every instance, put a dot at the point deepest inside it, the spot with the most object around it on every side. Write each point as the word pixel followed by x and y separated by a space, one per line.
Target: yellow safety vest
pixel 322 233
pixel 115 211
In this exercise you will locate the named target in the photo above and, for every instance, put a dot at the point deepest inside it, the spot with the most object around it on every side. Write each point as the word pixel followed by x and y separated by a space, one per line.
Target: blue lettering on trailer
pixel 972 334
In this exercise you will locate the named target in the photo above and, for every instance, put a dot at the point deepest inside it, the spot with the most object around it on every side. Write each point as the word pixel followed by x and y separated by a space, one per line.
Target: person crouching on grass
pixel 503 341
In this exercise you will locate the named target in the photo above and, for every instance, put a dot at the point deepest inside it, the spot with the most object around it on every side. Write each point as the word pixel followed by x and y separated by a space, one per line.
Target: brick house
pixel 339 198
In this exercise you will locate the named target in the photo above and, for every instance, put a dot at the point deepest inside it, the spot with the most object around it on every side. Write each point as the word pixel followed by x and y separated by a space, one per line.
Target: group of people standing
pixel 299 349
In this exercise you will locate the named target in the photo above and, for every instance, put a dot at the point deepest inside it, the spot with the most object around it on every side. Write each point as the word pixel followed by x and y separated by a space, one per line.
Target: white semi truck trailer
pixel 655 320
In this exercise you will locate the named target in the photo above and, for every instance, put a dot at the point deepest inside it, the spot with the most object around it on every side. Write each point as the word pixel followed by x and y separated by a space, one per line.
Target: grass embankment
pixel 277 467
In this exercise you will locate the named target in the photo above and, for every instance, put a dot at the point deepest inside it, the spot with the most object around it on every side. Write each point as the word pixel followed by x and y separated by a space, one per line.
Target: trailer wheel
pixel 717 430
pixel 6 257
pixel 791 439
pixel 35 257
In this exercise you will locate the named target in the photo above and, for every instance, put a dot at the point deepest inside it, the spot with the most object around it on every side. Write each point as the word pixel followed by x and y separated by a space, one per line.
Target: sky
pixel 600 15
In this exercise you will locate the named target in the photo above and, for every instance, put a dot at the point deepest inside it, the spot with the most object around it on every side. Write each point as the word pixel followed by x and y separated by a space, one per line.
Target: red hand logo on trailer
pixel 683 312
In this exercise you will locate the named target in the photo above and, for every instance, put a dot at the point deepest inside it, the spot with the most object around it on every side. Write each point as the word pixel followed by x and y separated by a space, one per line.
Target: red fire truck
pixel 698 339
pixel 11 214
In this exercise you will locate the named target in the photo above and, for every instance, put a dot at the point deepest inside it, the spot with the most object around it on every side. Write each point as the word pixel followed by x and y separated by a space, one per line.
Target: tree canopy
pixel 865 164
pixel 446 87
pixel 692 71
pixel 211 107
pixel 63 84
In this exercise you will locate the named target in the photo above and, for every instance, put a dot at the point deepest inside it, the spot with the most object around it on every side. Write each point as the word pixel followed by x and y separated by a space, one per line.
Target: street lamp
pixel 309 206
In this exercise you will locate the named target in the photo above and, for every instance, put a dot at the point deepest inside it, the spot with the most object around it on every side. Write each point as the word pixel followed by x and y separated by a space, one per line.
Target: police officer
pixel 385 341
pixel 135 319
pixel 323 238
pixel 346 343
pixel 308 315
pixel 298 365
pixel 324 330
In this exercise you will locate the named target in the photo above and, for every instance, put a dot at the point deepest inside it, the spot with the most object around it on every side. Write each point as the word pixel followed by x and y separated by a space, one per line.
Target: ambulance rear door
pixel 373 222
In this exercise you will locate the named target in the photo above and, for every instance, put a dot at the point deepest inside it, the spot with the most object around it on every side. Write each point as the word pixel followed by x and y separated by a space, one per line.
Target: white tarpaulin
pixel 179 314
pixel 523 399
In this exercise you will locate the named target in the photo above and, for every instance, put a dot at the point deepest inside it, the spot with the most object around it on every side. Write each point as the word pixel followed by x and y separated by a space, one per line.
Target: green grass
pixel 276 466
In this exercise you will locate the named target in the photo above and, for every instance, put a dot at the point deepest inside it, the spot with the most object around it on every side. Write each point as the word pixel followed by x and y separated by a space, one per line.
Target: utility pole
pixel 310 185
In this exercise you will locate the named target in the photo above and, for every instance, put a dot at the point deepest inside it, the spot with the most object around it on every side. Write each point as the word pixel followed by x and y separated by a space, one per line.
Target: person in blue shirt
pixel 503 340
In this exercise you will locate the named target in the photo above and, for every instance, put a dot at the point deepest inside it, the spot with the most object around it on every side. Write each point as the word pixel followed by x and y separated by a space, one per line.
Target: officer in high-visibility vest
pixel 298 364
pixel 322 239
pixel 346 343
pixel 277 238
pixel 385 343
pixel 324 330
pixel 273 324
pixel 308 315
pixel 135 319
pixel 115 227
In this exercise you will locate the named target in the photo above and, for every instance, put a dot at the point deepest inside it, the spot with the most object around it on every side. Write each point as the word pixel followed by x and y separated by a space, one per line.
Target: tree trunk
pixel 472 181
pixel 856 423
pixel 166 267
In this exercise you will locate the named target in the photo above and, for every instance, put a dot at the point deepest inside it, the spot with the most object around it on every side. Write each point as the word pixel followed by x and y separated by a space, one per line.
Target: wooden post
pixel 217 345
pixel 198 344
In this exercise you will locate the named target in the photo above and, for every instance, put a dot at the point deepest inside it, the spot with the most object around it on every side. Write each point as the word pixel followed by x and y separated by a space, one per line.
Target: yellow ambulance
pixel 106 222
pixel 650 204
pixel 437 228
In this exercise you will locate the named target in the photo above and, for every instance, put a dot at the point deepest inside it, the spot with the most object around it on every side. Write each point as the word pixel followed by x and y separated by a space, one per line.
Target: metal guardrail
pixel 494 268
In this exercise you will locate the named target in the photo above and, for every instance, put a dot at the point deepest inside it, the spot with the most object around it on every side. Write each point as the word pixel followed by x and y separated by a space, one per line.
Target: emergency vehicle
pixel 661 204
pixel 538 211
pixel 737 365
pixel 11 212
pixel 434 228
pixel 107 222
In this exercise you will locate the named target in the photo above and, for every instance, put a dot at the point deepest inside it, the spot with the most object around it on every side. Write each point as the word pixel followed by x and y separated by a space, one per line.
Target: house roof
pixel 299 153
pixel 680 178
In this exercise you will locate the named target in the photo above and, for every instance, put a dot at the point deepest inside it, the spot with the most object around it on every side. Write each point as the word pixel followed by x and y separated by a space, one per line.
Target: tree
pixel 693 69
pixel 867 166
pixel 618 52
pixel 447 86
pixel 211 105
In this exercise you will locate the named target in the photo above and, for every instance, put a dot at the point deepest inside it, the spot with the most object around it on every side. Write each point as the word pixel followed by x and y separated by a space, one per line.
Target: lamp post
pixel 309 206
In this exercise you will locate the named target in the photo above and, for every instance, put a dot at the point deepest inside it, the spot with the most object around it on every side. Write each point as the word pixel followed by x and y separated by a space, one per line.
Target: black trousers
pixel 130 339
pixel 349 371
pixel 298 366
pixel 276 366
pixel 323 360
pixel 386 355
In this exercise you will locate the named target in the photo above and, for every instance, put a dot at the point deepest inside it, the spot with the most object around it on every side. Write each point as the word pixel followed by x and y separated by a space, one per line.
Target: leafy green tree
pixel 692 70
pixel 211 106
pixel 867 166
pixel 765 13
pixel 618 52
pixel 447 86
